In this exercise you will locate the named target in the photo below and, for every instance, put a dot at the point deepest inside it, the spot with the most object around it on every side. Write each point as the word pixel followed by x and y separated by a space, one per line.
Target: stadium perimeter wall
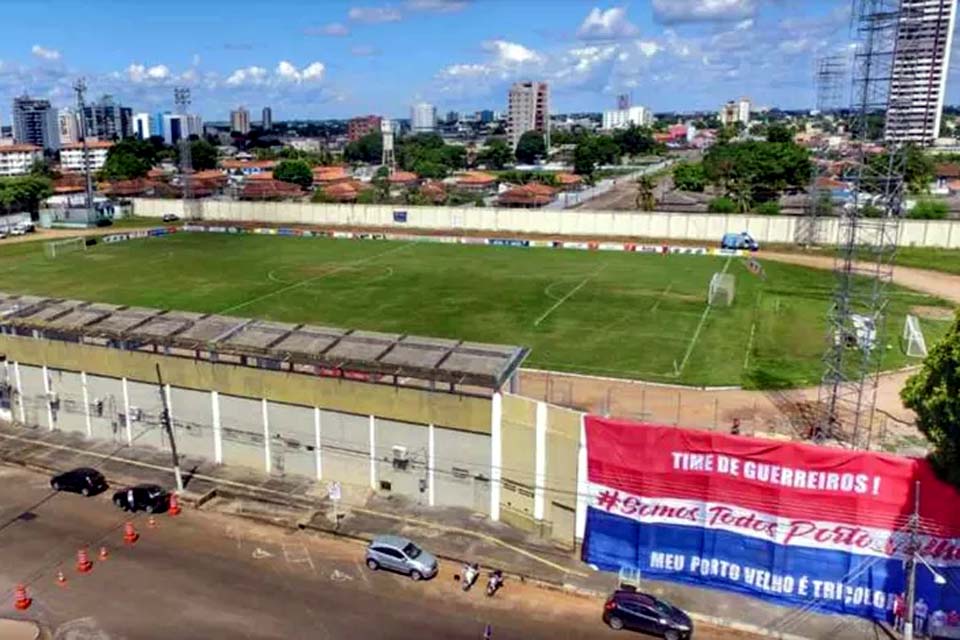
pixel 560 222
pixel 512 458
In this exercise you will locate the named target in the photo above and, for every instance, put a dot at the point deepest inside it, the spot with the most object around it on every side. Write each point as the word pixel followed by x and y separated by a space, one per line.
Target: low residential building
pixel 343 191
pixel 246 167
pixel 569 181
pixel 403 179
pixel 16 159
pixel 477 181
pixel 71 155
pixel 270 190
pixel 323 176
pixel 532 195
pixel 359 127
pixel 624 118
pixel 944 174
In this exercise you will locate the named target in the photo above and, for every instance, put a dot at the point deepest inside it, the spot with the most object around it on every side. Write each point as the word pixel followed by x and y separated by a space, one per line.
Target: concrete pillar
pixel 373 453
pixel 583 487
pixel 540 462
pixel 86 403
pixel 267 462
pixel 47 390
pixel 19 384
pixel 168 398
pixel 127 422
pixel 317 451
pixel 431 465
pixel 217 427
pixel 496 454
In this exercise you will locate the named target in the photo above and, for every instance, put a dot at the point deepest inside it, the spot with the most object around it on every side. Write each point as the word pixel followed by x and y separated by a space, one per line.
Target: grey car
pixel 400 555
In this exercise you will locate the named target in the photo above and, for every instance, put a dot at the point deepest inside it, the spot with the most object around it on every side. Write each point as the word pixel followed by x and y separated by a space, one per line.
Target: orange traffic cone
pixel 20 600
pixel 151 521
pixel 174 508
pixel 104 554
pixel 61 579
pixel 130 534
pixel 83 561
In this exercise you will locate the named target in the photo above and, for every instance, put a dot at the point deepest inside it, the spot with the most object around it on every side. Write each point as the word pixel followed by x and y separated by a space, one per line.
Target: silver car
pixel 400 555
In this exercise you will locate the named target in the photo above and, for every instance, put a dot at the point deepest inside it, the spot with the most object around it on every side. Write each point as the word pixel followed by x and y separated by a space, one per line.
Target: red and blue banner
pixel 794 524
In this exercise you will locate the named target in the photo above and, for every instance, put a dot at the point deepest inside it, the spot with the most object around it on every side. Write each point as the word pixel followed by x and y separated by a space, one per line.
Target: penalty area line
pixel 566 297
pixel 696 334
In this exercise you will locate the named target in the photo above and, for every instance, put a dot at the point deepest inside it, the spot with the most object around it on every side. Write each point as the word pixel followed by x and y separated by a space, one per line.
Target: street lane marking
pixel 339 576
pixel 296 553
pixel 259 553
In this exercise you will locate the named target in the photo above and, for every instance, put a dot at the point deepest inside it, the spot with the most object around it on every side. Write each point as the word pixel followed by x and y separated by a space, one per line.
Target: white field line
pixel 753 331
pixel 343 267
pixel 663 294
pixel 569 295
pixel 696 334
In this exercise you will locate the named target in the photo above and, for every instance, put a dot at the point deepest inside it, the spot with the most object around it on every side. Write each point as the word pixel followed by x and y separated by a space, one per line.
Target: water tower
pixel 389 160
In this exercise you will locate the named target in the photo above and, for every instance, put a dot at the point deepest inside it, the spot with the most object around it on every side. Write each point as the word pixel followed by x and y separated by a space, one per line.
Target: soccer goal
pixel 913 343
pixel 57 248
pixel 721 290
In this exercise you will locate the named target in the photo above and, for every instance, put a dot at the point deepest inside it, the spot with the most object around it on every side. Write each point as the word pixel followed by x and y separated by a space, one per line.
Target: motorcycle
pixel 470 573
pixel 495 582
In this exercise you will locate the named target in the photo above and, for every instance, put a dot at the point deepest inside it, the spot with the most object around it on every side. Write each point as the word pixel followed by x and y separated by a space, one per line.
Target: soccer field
pixel 616 314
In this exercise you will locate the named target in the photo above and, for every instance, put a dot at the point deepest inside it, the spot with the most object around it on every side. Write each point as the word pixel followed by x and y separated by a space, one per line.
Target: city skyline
pixel 343 59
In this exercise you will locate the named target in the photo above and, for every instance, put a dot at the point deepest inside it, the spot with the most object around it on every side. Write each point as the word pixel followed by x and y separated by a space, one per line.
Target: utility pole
pixel 911 568
pixel 181 96
pixel 168 427
pixel 80 87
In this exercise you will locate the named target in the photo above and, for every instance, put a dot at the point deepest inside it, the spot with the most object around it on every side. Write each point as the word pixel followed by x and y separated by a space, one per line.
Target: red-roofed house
pixel 246 167
pixel 569 181
pixel 403 179
pixel 477 181
pixel 323 176
pixel 343 191
pixel 270 190
pixel 529 195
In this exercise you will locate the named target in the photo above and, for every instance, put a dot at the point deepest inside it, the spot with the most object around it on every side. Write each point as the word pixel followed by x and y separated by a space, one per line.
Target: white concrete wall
pixel 675 226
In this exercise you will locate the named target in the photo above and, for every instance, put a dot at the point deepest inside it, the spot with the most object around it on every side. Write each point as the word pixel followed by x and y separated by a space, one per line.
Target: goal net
pixel 57 248
pixel 721 290
pixel 914 344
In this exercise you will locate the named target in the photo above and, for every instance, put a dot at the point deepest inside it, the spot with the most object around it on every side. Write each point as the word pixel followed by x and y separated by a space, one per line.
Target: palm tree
pixel 646 200
pixel 741 192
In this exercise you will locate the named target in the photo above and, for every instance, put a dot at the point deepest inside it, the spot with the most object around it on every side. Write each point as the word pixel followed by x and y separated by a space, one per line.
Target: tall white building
pixel 623 118
pixel 735 111
pixel 69 126
pixel 528 109
pixel 17 159
pixel 919 79
pixel 179 126
pixel 423 117
pixel 143 125
pixel 240 120
pixel 71 155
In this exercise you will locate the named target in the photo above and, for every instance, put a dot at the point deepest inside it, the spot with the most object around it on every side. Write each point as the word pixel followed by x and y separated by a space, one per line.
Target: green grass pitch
pixel 614 314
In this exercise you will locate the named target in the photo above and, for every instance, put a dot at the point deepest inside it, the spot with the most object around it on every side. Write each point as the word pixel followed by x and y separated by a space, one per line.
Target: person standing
pixel 899 608
pixel 920 611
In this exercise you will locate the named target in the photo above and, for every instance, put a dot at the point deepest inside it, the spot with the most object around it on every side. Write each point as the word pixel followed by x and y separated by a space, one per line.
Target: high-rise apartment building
pixel 423 117
pixel 624 118
pixel 143 125
pixel 919 78
pixel 735 111
pixel 528 109
pixel 240 120
pixel 108 120
pixel 69 126
pixel 359 127
pixel 35 122
pixel 266 118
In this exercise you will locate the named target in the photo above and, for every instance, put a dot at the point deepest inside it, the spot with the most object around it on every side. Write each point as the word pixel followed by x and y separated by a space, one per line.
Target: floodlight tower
pixel 389 160
pixel 181 96
pixel 80 87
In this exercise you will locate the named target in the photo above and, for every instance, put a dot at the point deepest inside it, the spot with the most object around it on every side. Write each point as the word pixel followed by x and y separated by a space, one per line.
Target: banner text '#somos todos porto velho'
pixel 794 524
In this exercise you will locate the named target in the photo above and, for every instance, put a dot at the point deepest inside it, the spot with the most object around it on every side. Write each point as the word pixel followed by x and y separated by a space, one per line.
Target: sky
pixel 331 59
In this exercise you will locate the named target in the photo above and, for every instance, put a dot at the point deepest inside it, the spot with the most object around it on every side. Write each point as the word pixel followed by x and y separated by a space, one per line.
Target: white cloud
pixel 372 15
pixel 671 11
pixel 314 72
pixel 247 76
pixel 466 70
pixel 648 48
pixel 142 73
pixel 334 29
pixel 607 25
pixel 438 6
pixel 288 72
pixel 511 53
pixel 45 53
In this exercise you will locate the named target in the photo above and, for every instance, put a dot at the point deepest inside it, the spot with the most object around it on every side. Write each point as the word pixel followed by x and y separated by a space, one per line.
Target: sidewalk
pixel 453 534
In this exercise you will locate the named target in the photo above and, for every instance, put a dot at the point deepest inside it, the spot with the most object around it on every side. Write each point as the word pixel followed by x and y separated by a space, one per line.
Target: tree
pixel 689 177
pixel 530 146
pixel 585 159
pixel 368 149
pixel 496 155
pixel 203 155
pixel 918 170
pixel 294 171
pixel 768 208
pixel 929 210
pixel 430 169
pixel 779 133
pixel 722 204
pixel 932 394
pixel 646 199
pixel 635 141
pixel 24 193
pixel 763 170
pixel 41 169
pixel 124 164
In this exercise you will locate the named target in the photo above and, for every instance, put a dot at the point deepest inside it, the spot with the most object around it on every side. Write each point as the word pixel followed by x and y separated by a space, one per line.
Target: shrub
pixel 722 204
pixel 769 208
pixel 928 210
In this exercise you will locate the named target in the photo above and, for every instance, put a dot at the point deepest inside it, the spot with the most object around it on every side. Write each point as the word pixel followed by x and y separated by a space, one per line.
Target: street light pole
pixel 168 427
pixel 911 568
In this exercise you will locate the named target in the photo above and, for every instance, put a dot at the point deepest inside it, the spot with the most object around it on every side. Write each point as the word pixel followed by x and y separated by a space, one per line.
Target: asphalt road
pixel 206 575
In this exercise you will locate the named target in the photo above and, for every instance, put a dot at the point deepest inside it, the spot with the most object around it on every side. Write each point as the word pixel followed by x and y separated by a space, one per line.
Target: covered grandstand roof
pixel 381 357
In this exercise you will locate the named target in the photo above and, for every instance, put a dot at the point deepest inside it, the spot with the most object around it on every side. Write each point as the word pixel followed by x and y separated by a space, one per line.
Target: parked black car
pixel 638 611
pixel 142 497
pixel 84 480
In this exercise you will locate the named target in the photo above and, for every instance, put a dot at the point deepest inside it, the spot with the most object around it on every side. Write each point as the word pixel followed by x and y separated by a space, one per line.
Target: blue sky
pixel 326 58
